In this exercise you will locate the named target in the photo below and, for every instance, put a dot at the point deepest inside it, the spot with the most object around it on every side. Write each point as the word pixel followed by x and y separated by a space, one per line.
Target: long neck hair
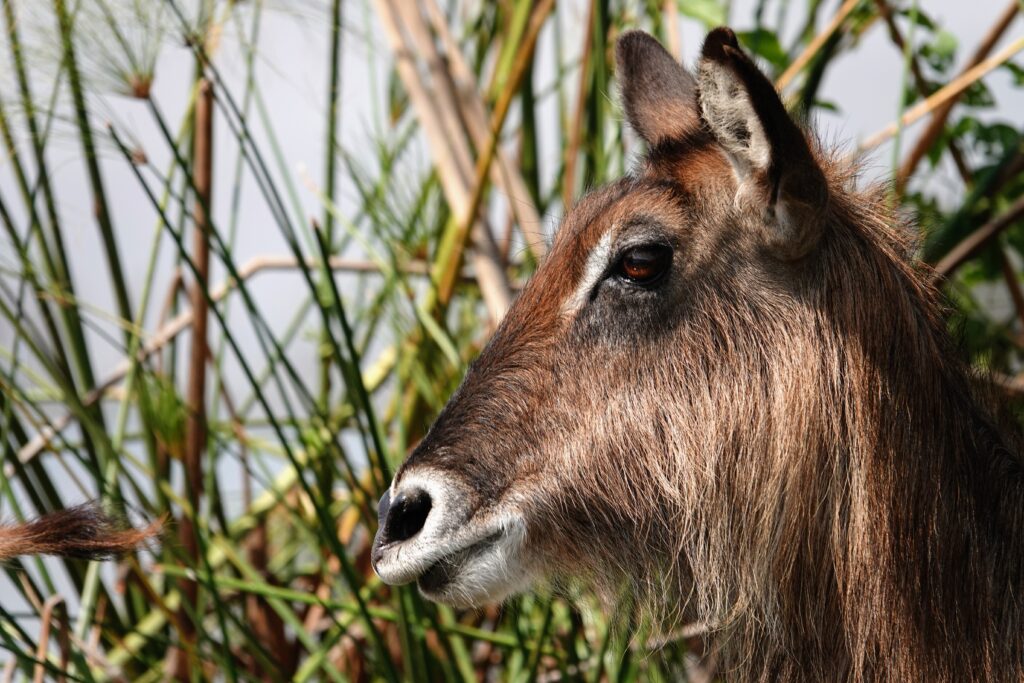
pixel 818 480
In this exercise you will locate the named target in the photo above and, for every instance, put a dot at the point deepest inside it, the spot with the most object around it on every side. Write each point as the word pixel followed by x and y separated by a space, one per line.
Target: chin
pixel 487 573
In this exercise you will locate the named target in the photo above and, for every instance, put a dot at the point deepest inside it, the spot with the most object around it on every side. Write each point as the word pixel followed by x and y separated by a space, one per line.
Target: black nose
pixel 403 516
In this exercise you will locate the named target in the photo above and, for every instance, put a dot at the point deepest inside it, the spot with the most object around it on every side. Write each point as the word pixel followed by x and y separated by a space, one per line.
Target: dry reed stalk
pixel 797 65
pixel 505 173
pixel 572 150
pixel 505 244
pixel 941 114
pixel 445 147
pixel 446 102
pixel 405 64
pixel 979 238
pixel 63 639
pixel 446 144
pixel 950 91
pixel 195 435
pixel 675 39
pixel 443 98
pixel 520 64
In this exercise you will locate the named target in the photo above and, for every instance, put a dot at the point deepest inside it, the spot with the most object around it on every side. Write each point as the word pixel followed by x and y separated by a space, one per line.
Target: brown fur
pixel 780 443
pixel 83 531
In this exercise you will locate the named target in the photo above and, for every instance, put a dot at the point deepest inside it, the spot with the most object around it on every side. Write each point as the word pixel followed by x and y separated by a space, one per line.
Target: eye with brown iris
pixel 645 265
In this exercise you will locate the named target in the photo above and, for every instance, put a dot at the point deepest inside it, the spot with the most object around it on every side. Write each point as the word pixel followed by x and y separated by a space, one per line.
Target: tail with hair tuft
pixel 83 531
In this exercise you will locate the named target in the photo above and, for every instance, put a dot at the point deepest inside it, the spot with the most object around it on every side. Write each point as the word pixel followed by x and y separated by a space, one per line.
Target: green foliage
pixel 764 44
pixel 710 13
pixel 163 411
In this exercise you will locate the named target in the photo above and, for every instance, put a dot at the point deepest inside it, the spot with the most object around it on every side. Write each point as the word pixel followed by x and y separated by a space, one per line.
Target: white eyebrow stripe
pixel 597 263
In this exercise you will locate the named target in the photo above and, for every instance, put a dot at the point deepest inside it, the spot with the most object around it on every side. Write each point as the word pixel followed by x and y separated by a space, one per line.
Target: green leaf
pixel 765 44
pixel 940 53
pixel 163 409
pixel 945 44
pixel 1016 71
pixel 709 12
pixel 978 95
pixel 918 15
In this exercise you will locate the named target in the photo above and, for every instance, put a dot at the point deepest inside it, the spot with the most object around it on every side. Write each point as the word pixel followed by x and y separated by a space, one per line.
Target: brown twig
pixel 921 83
pixel 813 47
pixel 941 113
pixel 195 436
pixel 63 638
pixel 979 238
pixel 572 150
pixel 949 92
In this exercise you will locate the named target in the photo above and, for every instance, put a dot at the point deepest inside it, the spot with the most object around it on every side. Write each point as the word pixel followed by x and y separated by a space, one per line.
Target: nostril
pixel 407 515
pixel 383 506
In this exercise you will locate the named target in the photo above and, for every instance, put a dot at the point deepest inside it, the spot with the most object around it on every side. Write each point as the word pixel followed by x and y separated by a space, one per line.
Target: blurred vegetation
pixel 267 466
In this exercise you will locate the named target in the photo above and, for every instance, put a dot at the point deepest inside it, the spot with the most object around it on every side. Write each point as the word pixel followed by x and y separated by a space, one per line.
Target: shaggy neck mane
pixel 841 506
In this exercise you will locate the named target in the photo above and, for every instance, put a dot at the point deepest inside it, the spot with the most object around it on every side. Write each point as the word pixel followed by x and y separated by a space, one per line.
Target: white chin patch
pixel 488 572
pixel 457 557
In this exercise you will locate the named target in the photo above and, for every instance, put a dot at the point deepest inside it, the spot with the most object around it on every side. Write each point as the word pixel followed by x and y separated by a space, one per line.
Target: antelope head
pixel 608 402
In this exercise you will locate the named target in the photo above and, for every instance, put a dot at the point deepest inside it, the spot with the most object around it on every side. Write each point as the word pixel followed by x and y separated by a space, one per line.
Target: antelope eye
pixel 645 265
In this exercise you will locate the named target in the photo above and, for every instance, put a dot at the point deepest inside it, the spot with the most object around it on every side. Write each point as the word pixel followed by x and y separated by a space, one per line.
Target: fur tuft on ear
pixel 777 170
pixel 658 93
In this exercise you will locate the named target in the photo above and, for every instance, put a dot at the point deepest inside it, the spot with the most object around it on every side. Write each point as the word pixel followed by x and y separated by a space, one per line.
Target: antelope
pixel 729 392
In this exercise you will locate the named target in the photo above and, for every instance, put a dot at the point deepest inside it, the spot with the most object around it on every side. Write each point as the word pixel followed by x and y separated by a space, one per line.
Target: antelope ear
pixel 777 171
pixel 658 94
